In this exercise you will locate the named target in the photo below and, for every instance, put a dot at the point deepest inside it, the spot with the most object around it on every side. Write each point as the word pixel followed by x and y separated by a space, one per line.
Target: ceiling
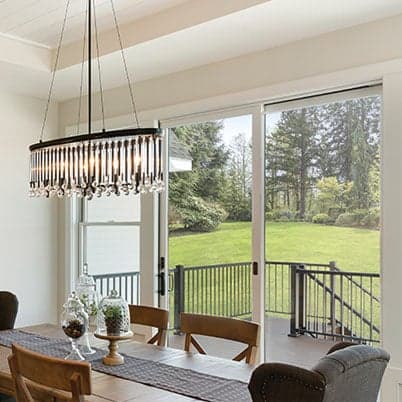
pixel 188 39
pixel 39 21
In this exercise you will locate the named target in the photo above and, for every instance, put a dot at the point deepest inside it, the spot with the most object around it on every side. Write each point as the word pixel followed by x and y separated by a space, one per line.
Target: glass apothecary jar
pixel 113 316
pixel 86 291
pixel 74 322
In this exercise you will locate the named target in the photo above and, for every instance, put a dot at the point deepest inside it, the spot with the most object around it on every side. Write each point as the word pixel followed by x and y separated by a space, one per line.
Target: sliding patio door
pixel 322 208
pixel 209 219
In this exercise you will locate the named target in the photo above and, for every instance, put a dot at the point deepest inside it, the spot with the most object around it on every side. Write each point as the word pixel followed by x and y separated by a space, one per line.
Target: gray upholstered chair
pixel 8 310
pixel 347 373
pixel 8 314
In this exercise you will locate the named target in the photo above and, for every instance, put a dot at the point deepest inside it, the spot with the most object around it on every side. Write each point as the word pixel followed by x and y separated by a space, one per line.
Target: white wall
pixel 28 227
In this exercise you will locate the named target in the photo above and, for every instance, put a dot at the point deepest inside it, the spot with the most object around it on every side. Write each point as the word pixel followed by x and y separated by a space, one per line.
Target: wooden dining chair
pixel 36 374
pixel 8 310
pixel 152 317
pixel 221 327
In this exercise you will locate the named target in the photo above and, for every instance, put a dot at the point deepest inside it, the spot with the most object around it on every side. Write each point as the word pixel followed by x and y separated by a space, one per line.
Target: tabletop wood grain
pixel 109 388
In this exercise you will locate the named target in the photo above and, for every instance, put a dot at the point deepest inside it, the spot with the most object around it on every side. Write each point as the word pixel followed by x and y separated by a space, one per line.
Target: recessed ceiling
pixel 261 27
pixel 39 21
pixel 254 28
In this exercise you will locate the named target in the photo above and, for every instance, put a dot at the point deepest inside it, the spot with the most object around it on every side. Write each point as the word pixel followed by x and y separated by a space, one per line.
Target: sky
pixel 243 124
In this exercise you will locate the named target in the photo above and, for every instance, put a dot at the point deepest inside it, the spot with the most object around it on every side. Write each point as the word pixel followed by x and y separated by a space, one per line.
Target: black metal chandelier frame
pixel 97 163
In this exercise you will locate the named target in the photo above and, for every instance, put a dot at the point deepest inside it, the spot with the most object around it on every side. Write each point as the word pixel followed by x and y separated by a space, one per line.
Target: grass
pixel 356 250
pixel 217 291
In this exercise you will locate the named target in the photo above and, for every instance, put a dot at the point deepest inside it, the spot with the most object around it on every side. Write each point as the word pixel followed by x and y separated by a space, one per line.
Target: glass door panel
pixel 322 211
pixel 210 182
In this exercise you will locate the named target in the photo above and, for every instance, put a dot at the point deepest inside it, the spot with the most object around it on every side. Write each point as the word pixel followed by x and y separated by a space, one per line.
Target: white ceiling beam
pixel 186 15
pixel 23 53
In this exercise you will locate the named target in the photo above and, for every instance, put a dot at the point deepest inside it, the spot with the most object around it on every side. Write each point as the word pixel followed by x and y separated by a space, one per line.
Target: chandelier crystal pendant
pixel 102 163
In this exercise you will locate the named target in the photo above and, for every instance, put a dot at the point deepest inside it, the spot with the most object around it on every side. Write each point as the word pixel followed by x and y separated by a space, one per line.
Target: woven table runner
pixel 160 375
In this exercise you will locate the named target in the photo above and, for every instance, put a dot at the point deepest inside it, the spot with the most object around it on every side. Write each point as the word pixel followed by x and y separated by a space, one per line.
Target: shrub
pixel 280 215
pixel 360 214
pixel 273 215
pixel 239 211
pixel 270 216
pixel 199 215
pixel 347 219
pixel 372 219
pixel 321 218
pixel 174 216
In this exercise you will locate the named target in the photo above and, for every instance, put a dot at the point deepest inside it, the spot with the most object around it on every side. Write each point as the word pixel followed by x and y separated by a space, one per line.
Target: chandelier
pixel 96 163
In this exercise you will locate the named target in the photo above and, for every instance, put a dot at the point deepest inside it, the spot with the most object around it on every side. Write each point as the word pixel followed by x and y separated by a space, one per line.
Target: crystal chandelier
pixel 96 163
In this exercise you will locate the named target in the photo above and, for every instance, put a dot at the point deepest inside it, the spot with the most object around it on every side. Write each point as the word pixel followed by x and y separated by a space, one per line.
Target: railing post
pixel 332 268
pixel 293 300
pixel 301 299
pixel 178 296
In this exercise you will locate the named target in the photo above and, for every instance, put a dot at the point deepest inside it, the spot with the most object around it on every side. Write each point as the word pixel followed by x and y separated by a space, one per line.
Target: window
pixel 110 244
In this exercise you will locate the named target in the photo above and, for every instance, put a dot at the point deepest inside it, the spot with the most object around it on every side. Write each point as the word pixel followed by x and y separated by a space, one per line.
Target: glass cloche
pixel 113 316
pixel 74 321
pixel 86 292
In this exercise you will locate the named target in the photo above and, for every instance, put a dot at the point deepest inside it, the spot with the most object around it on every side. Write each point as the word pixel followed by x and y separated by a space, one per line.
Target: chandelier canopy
pixel 102 163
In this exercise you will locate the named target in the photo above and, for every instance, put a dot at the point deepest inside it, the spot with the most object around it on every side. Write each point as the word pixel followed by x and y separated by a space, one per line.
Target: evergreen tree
pixel 361 163
pixel 195 196
pixel 294 148
pixel 238 196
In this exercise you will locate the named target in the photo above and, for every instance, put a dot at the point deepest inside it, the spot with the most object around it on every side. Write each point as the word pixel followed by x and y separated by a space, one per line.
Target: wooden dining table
pixel 106 387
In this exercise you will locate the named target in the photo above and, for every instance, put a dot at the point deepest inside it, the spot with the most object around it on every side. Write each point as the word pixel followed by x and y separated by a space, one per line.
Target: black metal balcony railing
pixel 334 303
pixel 222 289
pixel 318 299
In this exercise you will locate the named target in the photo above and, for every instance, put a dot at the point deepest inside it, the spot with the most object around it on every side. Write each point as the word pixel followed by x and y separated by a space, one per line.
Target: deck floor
pixel 303 351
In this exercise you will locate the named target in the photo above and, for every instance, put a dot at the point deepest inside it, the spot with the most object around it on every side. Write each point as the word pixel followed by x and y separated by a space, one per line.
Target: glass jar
pixel 113 316
pixel 86 292
pixel 74 322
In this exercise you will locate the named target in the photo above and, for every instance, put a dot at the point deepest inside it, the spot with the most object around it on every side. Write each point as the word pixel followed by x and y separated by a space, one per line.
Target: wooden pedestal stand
pixel 114 358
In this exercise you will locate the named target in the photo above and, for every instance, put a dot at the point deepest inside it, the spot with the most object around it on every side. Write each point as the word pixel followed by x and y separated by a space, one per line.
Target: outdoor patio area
pixel 302 351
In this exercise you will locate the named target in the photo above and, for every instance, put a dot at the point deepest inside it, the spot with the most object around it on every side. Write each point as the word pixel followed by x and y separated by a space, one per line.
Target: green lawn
pixel 218 291
pixel 352 249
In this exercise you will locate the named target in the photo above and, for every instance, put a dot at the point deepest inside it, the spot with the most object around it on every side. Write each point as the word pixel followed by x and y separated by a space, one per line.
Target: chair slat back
pixel 220 327
pixel 48 372
pixel 152 317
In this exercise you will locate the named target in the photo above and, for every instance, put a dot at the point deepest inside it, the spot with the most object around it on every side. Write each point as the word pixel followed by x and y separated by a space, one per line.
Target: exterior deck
pixel 302 351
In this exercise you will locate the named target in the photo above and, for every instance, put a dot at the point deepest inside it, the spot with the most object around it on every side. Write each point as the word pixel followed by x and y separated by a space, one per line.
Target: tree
pixel 361 163
pixel 337 124
pixel 293 149
pixel 238 193
pixel 374 182
pixel 332 196
pixel 206 183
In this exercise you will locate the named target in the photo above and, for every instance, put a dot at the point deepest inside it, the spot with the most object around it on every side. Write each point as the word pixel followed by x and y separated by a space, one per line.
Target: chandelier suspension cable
pixel 123 56
pixel 56 63
pixel 82 71
pixel 89 67
pixel 99 68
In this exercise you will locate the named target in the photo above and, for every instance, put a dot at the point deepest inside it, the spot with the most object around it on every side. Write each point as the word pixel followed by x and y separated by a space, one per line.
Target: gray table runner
pixel 160 375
